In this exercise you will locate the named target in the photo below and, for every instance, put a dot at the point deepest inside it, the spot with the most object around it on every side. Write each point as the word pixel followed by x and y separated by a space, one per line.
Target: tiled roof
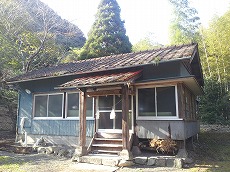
pixel 106 79
pixel 111 62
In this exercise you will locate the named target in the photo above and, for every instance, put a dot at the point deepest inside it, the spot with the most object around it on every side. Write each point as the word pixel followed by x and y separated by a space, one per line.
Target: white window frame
pixel 47 117
pixel 77 118
pixel 157 117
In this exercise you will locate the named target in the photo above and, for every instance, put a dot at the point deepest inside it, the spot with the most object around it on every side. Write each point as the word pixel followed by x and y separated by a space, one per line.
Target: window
pixel 106 119
pixel 50 105
pixel 157 102
pixel 72 104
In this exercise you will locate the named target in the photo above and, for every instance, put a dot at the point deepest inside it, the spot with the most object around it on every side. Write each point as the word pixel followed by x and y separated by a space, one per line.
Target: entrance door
pixel 109 113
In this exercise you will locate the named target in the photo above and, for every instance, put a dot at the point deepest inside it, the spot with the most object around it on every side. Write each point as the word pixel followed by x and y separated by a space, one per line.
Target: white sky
pixel 141 16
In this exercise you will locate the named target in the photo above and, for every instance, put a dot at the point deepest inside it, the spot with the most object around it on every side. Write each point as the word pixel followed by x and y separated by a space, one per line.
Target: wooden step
pixel 109 135
pixel 108 139
pixel 106 145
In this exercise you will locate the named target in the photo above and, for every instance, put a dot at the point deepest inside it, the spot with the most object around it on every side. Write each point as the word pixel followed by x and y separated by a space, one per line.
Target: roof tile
pixel 111 62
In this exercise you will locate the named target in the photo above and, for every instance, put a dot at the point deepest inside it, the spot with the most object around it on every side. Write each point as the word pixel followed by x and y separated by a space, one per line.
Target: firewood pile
pixel 165 146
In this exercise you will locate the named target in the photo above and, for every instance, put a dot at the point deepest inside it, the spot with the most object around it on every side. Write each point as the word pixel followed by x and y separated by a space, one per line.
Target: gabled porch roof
pixel 115 78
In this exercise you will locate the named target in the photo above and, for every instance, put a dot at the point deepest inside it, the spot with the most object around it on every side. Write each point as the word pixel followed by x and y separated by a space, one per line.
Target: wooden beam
pixel 82 116
pixel 125 112
pixel 108 92
pixel 103 93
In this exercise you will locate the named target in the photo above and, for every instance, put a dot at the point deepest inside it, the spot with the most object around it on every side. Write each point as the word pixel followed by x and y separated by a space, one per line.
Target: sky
pixel 142 17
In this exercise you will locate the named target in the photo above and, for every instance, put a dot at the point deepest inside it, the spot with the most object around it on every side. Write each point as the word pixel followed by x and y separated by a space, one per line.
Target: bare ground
pixel 49 163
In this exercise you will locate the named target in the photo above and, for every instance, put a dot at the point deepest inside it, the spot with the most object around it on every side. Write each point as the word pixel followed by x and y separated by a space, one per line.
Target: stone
pixel 178 163
pixel 70 154
pixel 126 155
pixel 182 153
pixel 49 150
pixel 125 163
pixel 80 151
pixel 170 162
pixel 22 149
pixel 63 152
pixel 188 160
pixel 136 150
pixel 141 160
pixel 76 159
pixel 160 162
pixel 110 162
pixel 56 150
pixel 151 161
pixel 41 150
pixel 91 160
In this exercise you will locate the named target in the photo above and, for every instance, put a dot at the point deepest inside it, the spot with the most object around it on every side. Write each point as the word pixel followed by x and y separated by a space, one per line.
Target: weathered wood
pixel 82 116
pixel 104 93
pixel 109 135
pixel 181 103
pixel 108 92
pixel 125 112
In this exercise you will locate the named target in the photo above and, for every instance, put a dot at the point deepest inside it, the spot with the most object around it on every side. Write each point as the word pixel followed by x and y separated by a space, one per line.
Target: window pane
pixel 89 106
pixel 118 102
pixel 40 106
pixel 146 102
pixel 105 102
pixel 118 120
pixel 73 105
pixel 55 105
pixel 104 121
pixel 166 104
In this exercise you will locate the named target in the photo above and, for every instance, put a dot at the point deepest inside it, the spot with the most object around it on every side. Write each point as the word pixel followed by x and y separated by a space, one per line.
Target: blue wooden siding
pixel 63 127
pixel 60 127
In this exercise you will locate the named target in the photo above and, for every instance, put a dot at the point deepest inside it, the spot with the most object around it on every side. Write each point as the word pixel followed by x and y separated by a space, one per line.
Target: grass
pixel 9 164
pixel 212 152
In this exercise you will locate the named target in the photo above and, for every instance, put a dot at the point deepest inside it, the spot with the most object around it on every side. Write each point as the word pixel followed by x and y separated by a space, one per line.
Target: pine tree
pixel 107 35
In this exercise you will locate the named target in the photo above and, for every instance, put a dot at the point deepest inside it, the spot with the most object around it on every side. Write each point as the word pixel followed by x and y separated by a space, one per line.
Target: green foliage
pixel 215 103
pixel 65 33
pixel 184 27
pixel 145 44
pixel 107 35
pixel 215 49
pixel 33 36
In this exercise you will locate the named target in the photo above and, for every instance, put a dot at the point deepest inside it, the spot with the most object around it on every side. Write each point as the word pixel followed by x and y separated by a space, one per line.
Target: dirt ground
pixel 11 162
pixel 50 163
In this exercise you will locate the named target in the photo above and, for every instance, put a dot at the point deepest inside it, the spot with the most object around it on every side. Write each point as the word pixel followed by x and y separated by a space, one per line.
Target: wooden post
pixel 125 112
pixel 82 134
pixel 81 149
pixel 125 154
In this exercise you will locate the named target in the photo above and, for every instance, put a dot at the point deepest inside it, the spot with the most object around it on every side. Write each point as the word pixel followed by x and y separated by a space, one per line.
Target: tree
pixel 34 36
pixel 184 28
pixel 215 104
pixel 214 53
pixel 146 43
pixel 216 42
pixel 107 35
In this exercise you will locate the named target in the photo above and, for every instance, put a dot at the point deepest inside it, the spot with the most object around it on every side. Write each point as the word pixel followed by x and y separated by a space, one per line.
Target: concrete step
pixel 105 151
